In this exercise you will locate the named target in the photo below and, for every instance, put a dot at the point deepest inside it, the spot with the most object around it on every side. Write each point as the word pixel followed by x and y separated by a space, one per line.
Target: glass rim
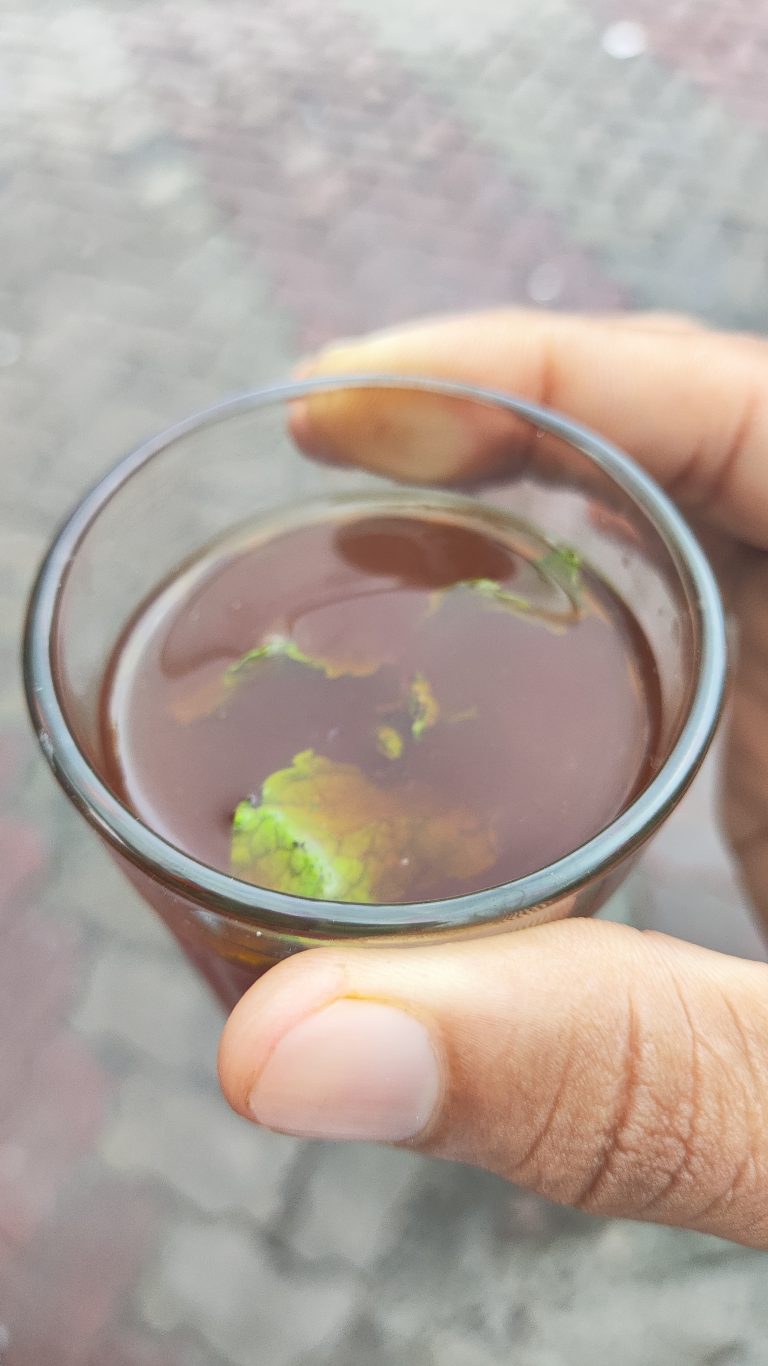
pixel 284 914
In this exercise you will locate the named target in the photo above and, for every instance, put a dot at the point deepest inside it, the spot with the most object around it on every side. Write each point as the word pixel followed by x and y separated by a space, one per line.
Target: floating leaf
pixel 282 647
pixel 389 742
pixel 468 714
pixel 423 706
pixel 560 568
pixel 323 830
pixel 562 565
pixel 495 595
pixel 489 588
pixel 203 700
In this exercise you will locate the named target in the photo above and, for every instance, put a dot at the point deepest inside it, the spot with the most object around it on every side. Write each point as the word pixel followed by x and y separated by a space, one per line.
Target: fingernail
pixel 414 437
pixel 307 435
pixel 311 363
pixel 354 1070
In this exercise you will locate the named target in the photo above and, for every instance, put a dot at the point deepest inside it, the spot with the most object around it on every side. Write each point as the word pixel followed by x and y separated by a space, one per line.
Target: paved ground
pixel 193 193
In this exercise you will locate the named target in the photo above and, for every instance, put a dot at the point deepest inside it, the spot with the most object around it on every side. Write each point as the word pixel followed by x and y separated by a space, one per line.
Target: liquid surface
pixel 380 707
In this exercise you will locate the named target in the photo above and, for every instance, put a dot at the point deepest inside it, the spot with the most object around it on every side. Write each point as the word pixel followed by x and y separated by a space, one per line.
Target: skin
pixel 624 1073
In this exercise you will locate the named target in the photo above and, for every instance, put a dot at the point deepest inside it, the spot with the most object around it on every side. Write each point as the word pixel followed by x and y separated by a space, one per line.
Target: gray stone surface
pixel 132 1000
pixel 664 183
pixel 186 1139
pixel 363 1226
pixel 221 1280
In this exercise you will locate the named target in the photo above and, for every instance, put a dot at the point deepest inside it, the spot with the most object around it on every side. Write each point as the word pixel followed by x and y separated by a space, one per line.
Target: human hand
pixel 620 1072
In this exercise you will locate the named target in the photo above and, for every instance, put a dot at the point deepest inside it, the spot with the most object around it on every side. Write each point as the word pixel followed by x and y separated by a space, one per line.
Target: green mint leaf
pixel 562 565
pixel 204 701
pixel 423 706
pixel 489 588
pixel 323 830
pixel 278 647
pixel 282 647
pixel 389 742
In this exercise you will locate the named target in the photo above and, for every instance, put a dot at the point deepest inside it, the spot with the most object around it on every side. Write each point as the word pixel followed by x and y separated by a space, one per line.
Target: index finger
pixel 689 404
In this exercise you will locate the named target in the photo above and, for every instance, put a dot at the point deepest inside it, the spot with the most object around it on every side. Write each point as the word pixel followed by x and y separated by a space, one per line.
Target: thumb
pixel 623 1073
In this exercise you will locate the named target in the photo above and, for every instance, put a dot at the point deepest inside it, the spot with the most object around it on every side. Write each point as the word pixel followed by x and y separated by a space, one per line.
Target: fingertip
pixel 305 425
pixel 302 431
pixel 278 1001
pixel 353 1069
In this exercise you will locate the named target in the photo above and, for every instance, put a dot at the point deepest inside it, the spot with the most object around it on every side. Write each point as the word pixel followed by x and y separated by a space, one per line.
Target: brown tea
pixel 381 705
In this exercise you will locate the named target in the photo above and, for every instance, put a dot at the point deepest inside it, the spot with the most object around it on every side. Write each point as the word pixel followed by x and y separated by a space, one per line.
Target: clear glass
pixel 182 491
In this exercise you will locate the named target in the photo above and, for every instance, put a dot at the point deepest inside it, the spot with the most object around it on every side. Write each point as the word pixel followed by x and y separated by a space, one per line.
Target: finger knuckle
pixel 684 1143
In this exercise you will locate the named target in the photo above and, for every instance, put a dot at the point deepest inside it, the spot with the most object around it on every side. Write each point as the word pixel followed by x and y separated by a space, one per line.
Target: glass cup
pixel 182 491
